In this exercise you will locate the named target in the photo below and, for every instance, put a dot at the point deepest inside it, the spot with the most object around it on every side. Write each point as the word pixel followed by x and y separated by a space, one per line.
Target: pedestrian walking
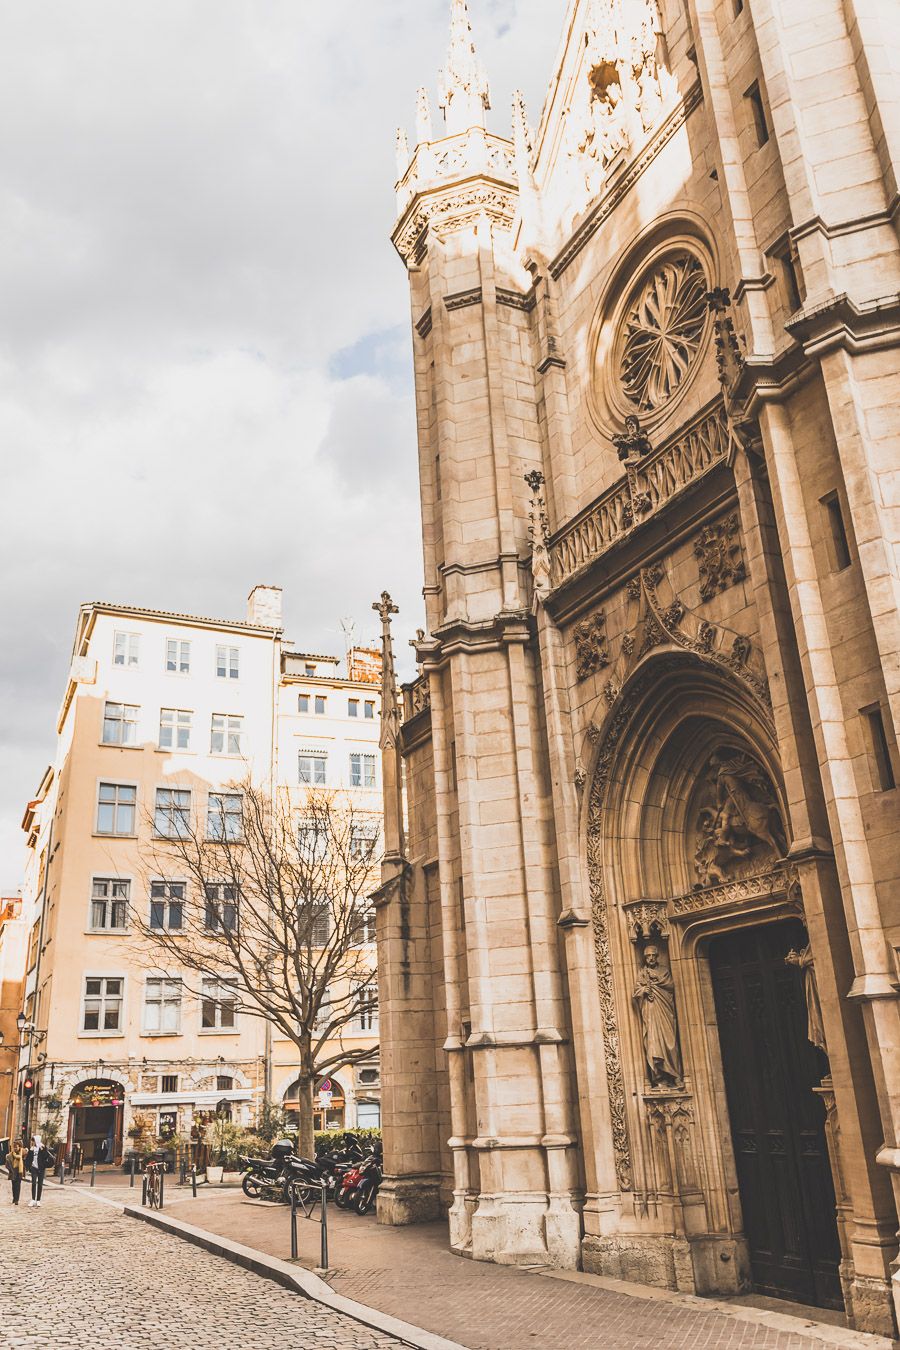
pixel 15 1166
pixel 37 1160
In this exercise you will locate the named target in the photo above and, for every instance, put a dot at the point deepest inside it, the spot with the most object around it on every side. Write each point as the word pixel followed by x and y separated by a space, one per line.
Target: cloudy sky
pixel 205 369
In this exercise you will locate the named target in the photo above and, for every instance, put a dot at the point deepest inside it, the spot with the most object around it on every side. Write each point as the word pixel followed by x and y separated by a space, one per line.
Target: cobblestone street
pixel 78 1274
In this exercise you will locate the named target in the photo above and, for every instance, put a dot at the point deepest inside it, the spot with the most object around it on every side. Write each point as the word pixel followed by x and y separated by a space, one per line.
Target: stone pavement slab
pixel 79 1275
pixel 410 1273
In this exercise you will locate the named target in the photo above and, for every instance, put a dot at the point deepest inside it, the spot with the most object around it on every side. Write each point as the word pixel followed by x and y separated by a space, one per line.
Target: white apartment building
pixel 162 714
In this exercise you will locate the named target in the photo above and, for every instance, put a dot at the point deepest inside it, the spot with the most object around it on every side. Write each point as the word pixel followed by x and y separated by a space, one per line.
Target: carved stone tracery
pixel 591 650
pixel 718 552
pixel 662 329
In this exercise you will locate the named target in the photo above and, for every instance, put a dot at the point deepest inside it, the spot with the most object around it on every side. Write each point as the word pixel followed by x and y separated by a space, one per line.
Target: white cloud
pixel 205 372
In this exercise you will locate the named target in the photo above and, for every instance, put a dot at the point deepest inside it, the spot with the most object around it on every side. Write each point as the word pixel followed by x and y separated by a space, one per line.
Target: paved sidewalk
pixel 80 1275
pixel 411 1274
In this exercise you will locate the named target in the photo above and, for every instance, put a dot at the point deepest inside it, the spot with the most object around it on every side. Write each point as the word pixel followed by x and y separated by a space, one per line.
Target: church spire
pixel 462 83
pixel 423 118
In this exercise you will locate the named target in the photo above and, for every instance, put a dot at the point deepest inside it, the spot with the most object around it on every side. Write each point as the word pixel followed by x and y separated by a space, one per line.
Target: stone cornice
pixel 841 322
pixel 450 207
pixel 625 181
pixel 465 635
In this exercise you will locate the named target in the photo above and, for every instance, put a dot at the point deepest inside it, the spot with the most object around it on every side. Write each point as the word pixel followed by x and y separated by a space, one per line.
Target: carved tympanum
pixel 654 998
pixel 719 557
pixel 591 651
pixel 661 330
pixel 739 829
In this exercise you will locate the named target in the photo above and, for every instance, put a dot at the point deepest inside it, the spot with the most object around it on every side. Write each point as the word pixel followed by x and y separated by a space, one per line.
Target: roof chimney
pixel 264 606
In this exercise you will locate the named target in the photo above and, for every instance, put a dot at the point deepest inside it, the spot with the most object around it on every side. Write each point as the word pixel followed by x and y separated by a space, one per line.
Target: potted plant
pixel 222 1137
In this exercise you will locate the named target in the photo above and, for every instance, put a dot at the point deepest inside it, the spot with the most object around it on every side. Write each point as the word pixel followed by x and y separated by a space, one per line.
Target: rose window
pixel 661 330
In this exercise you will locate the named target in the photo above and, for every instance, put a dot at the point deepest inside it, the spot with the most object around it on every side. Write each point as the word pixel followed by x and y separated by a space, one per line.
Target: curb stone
pixel 296 1278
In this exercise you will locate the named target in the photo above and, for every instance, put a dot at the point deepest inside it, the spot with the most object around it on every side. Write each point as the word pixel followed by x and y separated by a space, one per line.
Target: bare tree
pixel 274 920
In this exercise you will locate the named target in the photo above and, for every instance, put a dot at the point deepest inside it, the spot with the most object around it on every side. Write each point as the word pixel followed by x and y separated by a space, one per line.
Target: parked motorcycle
pixel 266 1178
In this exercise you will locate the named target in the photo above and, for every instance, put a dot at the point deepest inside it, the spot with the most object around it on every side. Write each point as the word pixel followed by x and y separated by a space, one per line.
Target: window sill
pixel 98 834
pixel 117 745
pixel 106 932
pixel 100 1035
pixel 172 750
pixel 161 1035
pixel 219 1031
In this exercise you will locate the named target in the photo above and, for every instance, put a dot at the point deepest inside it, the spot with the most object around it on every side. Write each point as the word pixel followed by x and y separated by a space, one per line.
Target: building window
pixel 883 778
pixel 761 126
pixel 167 905
pixel 220 913
pixel 109 904
pixel 224 1083
pixel 312 840
pixel 312 769
pixel 224 816
pixel 309 669
pixel 120 724
pixel 228 662
pixel 323 1012
pixel 225 738
pixel 178 656
pixel 840 545
pixel 217 1005
pixel 126 649
pixel 169 1082
pixel 367 1009
pixel 363 839
pixel 172 817
pixel 320 705
pixel 115 808
pixel 364 926
pixel 168 1124
pixel 362 771
pixel 369 708
pixel 320 923
pixel 368 1077
pixel 102 1009
pixel 303 703
pixel 33 943
pixel 174 729
pixel 162 1010
pixel 353 707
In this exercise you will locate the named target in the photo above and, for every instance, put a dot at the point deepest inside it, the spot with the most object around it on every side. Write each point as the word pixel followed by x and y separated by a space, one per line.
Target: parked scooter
pixel 266 1178
pixel 368 1185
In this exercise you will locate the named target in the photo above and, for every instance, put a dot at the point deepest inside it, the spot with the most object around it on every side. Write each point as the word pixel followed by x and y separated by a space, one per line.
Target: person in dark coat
pixel 37 1160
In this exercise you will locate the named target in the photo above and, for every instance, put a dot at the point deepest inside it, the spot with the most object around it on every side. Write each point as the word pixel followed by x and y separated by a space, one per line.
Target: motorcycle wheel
pixel 250 1187
pixel 365 1200
pixel 344 1199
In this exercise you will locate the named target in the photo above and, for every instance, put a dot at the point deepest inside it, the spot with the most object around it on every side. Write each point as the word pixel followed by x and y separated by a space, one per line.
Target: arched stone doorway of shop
pixel 329 1104
pixel 716 1084
pixel 95 1120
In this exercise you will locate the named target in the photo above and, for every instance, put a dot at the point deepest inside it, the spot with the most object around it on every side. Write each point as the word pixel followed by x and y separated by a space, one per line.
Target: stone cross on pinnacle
pixel 385 607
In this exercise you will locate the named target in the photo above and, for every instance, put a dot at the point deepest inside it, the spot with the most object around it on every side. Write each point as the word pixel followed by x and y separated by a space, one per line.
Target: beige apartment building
pixel 638 946
pixel 163 714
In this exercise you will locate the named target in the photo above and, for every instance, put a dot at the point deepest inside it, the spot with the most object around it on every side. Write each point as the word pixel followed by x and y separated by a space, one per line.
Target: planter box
pixel 214 1174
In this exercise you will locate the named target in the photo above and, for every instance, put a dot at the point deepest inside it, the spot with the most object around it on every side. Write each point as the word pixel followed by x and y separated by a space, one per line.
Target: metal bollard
pixel 194 1181
pixel 131 1180
pixel 93 1172
pixel 293 1225
pixel 62 1172
pixel 323 1253
pixel 182 1172
pixel 144 1189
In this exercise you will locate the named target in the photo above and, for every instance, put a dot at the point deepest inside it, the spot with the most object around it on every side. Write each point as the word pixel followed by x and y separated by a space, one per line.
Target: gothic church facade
pixel 639 924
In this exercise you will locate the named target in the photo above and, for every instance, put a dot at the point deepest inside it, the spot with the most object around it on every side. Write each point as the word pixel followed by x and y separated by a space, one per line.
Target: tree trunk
pixel 306 1146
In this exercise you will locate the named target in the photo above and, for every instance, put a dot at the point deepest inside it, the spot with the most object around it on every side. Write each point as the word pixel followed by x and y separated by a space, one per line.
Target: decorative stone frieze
pixel 591 650
pixel 719 556
pixel 776 882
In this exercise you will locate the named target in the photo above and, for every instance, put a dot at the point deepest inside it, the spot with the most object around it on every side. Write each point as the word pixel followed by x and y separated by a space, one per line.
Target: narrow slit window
pixel 884 778
pixel 838 532
pixel 757 107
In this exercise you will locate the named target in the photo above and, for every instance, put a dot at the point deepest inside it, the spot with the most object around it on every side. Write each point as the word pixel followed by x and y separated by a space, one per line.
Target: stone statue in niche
pixel 739 830
pixel 654 998
pixel 815 1028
